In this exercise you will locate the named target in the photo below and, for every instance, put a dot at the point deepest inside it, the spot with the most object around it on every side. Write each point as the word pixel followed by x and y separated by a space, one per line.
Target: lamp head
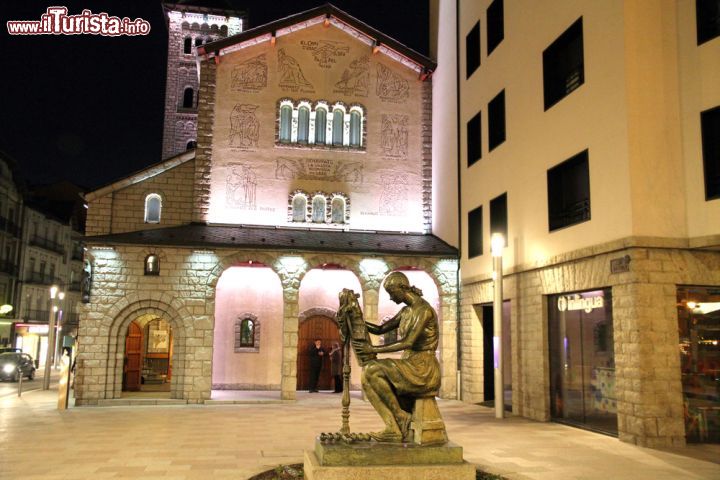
pixel 61 295
pixel 53 291
pixel 497 243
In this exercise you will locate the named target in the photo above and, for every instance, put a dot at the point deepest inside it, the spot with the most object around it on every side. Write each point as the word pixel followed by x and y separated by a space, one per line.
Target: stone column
pixel 647 362
pixel 448 342
pixel 289 274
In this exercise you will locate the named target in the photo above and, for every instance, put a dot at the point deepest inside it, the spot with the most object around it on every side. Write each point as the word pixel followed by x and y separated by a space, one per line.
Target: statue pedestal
pixel 386 461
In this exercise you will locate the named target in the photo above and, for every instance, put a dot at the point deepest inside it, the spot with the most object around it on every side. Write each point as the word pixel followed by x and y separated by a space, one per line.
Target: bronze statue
pixel 393 385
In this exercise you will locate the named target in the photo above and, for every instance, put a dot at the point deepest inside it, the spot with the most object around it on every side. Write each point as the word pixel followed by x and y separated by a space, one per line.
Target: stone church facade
pixel 312 173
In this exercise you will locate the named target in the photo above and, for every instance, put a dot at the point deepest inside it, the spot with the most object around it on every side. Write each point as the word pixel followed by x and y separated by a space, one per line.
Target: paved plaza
pixel 182 442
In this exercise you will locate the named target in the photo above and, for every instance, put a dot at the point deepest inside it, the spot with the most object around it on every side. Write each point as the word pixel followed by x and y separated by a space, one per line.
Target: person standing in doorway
pixel 336 366
pixel 316 360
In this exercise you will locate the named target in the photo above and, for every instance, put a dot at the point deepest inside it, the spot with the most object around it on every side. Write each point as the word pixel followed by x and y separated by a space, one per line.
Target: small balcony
pixel 9 226
pixel 47 244
pixel 37 316
pixel 71 318
pixel 7 266
pixel 42 279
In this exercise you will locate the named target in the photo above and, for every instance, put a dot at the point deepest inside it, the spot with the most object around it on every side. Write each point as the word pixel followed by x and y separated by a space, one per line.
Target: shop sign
pixel 576 302
pixel 38 329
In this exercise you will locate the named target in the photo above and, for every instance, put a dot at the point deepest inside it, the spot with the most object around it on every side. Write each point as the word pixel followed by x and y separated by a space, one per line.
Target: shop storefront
pixel 582 360
pixel 699 327
pixel 33 340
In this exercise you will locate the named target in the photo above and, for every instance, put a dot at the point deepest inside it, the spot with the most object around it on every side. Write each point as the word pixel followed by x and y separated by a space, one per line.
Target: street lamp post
pixel 497 243
pixel 58 328
pixel 51 337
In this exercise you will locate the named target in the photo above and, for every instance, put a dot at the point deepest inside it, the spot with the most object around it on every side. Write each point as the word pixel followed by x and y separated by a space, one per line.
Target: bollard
pixel 20 378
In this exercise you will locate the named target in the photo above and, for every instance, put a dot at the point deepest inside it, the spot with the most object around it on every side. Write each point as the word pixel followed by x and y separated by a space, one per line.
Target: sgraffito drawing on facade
pixel 241 186
pixel 394 136
pixel 355 79
pixel 291 75
pixel 325 169
pixel 394 193
pixel 390 86
pixel 325 52
pixel 251 75
pixel 244 126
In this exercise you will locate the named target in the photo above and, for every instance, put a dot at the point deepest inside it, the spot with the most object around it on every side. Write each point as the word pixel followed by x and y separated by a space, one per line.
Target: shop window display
pixel 582 360
pixel 699 329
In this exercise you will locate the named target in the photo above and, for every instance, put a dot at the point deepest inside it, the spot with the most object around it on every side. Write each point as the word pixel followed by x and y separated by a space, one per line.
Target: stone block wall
pixel 184 295
pixel 647 361
pixel 123 210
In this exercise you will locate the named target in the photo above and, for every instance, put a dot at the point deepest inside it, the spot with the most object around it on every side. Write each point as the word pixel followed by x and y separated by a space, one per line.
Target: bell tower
pixel 190 26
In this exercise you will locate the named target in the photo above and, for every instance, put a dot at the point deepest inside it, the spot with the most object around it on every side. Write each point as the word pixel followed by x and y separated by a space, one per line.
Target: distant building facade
pixel 42 246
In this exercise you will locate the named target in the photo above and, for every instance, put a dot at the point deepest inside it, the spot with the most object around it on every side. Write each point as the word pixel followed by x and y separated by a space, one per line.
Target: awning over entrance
pixel 199 235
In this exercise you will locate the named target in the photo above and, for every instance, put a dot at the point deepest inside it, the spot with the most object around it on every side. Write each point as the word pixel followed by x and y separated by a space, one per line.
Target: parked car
pixel 15 364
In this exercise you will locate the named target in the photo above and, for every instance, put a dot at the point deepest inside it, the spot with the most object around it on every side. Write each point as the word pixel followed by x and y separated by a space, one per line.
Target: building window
pixel 710 127
pixel 707 19
pixel 198 42
pixel 475 232
pixel 495 25
pixel 563 67
pixel 355 123
pixel 320 125
pixel 337 127
pixel 188 95
pixel 187 46
pixel 474 140
pixel 247 334
pixel 312 128
pixel 498 216
pixel 472 50
pixel 337 208
pixel 496 121
pixel 569 192
pixel 191 144
pixel 153 207
pixel 318 209
pixel 299 208
pixel 303 124
pixel 152 265
pixel 285 123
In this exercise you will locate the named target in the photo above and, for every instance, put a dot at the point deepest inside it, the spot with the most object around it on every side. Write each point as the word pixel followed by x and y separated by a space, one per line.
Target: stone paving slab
pixel 187 442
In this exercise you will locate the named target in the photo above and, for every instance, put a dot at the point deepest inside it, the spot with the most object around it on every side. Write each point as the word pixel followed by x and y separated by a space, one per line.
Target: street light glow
pixel 497 243
pixel 53 291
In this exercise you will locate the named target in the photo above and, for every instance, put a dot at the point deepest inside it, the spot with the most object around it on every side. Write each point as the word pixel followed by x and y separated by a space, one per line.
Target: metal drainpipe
pixel 459 198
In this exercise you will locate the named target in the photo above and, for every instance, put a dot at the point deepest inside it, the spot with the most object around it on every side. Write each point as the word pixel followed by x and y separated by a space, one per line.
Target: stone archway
pixel 116 344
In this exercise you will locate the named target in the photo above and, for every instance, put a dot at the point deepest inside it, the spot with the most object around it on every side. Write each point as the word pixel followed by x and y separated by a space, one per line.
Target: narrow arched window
pixel 337 127
pixel 153 207
pixel 191 144
pixel 198 42
pixel 285 123
pixel 320 125
pixel 318 209
pixel 187 46
pixel 337 208
pixel 152 265
pixel 303 124
pixel 188 95
pixel 247 333
pixel 299 208
pixel 355 123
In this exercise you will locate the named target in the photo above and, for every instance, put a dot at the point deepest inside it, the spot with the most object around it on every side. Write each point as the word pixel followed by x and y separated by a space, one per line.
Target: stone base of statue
pixel 386 461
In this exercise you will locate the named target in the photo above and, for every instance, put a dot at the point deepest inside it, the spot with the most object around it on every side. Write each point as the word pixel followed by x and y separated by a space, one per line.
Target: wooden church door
pixel 133 358
pixel 326 329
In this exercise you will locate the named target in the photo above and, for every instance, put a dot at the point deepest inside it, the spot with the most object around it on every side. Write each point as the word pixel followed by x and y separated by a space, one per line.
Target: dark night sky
pixel 88 108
